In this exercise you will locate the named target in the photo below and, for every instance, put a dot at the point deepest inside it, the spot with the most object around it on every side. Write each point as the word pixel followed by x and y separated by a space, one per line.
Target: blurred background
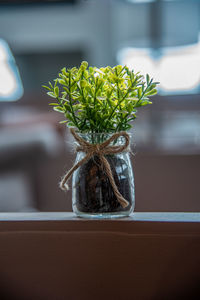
pixel 38 38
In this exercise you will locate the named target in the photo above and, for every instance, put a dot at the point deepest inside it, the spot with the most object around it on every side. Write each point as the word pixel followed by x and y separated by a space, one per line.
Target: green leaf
pixel 84 66
pixel 67 107
pixel 69 116
pixel 46 87
pixel 64 72
pixel 143 103
pixel 127 126
pixel 56 91
pixel 153 85
pixel 71 124
pixel 51 94
pixel 58 109
pixel 56 82
pixel 66 89
pixel 139 92
pixel 129 108
pixel 91 70
pixel 77 107
pixel 61 81
pixel 101 98
pixel 50 85
pixel 151 93
pixel 83 83
pixel 135 99
pixel 119 69
pixel 147 78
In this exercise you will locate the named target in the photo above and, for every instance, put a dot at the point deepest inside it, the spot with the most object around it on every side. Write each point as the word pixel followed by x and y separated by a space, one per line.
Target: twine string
pixel 100 150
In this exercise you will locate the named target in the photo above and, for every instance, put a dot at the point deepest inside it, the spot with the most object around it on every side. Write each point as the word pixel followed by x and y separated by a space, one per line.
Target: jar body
pixel 92 193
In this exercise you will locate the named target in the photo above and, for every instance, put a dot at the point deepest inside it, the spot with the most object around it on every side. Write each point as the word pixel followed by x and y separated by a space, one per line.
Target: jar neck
pixel 98 138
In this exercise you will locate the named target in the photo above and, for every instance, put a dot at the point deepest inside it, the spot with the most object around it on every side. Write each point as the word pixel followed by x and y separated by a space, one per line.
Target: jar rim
pixel 102 133
pixel 98 138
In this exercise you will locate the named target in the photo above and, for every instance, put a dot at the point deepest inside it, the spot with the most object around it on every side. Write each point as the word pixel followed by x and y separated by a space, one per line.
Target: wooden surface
pixel 57 256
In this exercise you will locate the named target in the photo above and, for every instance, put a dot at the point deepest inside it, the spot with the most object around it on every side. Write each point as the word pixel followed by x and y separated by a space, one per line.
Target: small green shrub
pixel 100 100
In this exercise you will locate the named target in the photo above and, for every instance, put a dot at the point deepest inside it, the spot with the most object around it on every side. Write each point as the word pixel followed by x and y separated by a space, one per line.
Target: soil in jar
pixel 94 191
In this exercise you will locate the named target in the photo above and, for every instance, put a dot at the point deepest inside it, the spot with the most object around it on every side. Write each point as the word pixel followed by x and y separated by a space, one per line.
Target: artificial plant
pixel 97 100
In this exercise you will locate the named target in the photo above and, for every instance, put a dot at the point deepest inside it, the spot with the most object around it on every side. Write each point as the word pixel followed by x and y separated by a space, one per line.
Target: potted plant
pixel 99 105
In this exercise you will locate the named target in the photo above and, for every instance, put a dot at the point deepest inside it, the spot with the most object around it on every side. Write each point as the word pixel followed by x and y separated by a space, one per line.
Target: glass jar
pixel 92 192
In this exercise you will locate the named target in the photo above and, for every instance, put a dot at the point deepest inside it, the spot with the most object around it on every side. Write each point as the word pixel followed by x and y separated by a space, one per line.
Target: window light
pixel 176 68
pixel 10 83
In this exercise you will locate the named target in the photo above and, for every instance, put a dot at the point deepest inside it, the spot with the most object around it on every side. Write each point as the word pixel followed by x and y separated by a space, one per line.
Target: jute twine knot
pixel 100 150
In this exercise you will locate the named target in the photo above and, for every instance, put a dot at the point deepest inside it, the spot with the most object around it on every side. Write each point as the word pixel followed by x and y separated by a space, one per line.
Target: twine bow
pixel 100 150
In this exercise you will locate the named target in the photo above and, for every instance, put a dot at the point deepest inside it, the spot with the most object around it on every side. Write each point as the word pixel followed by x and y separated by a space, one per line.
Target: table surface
pixel 147 256
pixel 139 223
pixel 69 216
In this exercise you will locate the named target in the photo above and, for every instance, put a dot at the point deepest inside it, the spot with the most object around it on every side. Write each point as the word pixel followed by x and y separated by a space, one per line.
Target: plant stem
pixel 143 93
pixel 119 125
pixel 116 106
pixel 70 103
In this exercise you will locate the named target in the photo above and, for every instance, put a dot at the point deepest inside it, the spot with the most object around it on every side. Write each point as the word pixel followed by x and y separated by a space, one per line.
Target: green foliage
pixel 100 100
